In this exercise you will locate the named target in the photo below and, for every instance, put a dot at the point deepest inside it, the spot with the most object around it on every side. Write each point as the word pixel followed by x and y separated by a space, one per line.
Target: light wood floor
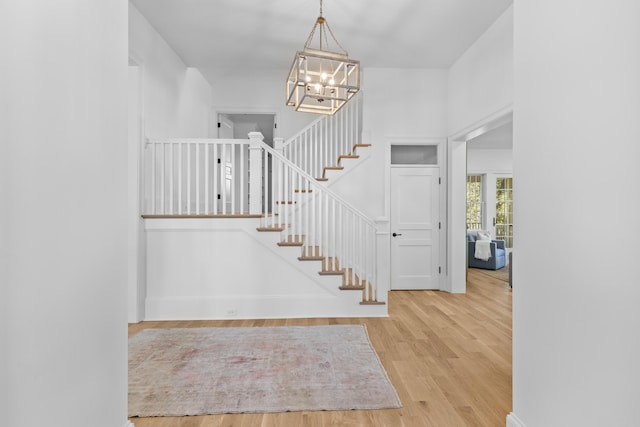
pixel 448 356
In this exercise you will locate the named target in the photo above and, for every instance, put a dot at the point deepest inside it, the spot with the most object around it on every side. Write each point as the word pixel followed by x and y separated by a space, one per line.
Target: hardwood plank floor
pixel 448 356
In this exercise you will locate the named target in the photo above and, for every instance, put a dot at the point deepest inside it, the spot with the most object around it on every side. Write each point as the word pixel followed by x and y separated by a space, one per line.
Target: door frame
pixel 457 195
pixel 214 116
pixel 440 143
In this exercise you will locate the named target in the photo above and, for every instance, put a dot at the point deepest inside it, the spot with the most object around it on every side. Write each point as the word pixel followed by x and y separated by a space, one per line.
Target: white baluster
pixel 162 181
pixel 207 171
pixel 171 179
pixel 216 179
pixel 243 179
pixel 255 173
pixel 198 178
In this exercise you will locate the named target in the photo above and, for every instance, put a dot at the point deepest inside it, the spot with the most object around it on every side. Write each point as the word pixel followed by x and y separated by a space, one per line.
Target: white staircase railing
pixel 213 177
pixel 196 176
pixel 327 227
pixel 320 144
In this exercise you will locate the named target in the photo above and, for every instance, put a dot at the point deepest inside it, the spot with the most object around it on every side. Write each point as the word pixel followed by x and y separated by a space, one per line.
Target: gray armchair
pixel 498 254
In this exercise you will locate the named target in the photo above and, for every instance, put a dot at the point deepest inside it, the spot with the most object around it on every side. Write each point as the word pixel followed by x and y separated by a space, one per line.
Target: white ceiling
pixel 227 34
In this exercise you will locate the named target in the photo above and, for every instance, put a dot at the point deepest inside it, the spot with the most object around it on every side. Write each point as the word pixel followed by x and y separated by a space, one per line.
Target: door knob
pixel 396 234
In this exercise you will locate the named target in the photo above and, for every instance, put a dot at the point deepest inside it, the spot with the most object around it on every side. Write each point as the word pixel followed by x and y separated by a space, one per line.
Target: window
pixel 474 202
pixel 414 155
pixel 504 210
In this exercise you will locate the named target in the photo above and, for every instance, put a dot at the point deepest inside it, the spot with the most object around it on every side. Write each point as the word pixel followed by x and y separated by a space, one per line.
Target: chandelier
pixel 321 81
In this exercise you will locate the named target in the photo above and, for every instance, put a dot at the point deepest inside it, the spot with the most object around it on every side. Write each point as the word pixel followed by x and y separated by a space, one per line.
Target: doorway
pixel 490 183
pixel 415 217
pixel 238 126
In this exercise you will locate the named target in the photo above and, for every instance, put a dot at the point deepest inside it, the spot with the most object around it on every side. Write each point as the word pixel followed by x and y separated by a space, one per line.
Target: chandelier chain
pixel 323 22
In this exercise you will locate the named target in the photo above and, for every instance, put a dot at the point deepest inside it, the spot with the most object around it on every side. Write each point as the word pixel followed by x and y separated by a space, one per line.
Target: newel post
pixel 255 173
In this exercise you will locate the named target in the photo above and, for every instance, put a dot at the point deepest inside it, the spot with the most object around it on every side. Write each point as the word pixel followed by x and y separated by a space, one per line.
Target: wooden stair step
pixel 360 146
pixel 275 228
pixel 372 303
pixel 286 202
pixel 303 191
pixel 351 288
pixel 331 273
pixel 331 168
pixel 348 156
pixel 310 258
pixel 331 266
pixel 295 240
pixel 312 252
pixel 290 243
pixel 322 179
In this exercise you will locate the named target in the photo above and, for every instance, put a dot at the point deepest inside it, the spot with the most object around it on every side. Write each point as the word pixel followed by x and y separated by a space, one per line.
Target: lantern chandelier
pixel 321 81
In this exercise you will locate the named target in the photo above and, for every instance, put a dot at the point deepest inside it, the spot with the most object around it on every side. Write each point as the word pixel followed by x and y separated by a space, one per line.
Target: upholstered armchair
pixel 498 257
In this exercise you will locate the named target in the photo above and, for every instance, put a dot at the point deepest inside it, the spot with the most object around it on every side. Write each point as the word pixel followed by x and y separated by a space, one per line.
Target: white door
pixel 415 226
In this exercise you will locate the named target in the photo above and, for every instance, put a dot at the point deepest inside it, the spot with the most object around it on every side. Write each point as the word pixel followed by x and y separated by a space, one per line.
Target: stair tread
pixel 290 243
pixel 372 303
pixel 351 288
pixel 310 258
pixel 361 145
pixel 331 273
pixel 279 228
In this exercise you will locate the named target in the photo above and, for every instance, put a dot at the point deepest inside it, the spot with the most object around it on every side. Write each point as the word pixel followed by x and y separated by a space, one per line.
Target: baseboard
pixel 260 307
pixel 129 424
pixel 514 421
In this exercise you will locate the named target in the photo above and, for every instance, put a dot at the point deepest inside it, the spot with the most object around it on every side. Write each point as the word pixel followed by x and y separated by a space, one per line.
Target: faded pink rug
pixel 200 371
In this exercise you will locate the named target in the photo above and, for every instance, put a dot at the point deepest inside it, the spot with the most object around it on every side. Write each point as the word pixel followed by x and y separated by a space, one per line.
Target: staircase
pixel 214 178
pixel 328 230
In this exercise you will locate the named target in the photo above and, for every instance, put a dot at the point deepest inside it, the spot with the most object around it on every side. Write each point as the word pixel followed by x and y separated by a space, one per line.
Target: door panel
pixel 415 223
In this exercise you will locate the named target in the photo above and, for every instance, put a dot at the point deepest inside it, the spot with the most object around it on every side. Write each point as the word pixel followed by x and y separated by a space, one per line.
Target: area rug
pixel 203 371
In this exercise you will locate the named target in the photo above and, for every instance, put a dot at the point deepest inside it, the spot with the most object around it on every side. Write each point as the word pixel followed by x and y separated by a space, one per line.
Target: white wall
pixel 489 160
pixel 481 81
pixel 480 93
pixel 398 104
pixel 255 91
pixel 173 101
pixel 63 131
pixel 177 99
pixel 391 110
pixel 576 321
pixel 222 268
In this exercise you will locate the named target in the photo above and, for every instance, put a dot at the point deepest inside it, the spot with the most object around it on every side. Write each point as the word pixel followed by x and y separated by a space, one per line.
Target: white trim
pixel 456 200
pixel 492 121
pixel 514 421
pixel 442 144
pixel 135 183
pixel 129 424
pixel 215 115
